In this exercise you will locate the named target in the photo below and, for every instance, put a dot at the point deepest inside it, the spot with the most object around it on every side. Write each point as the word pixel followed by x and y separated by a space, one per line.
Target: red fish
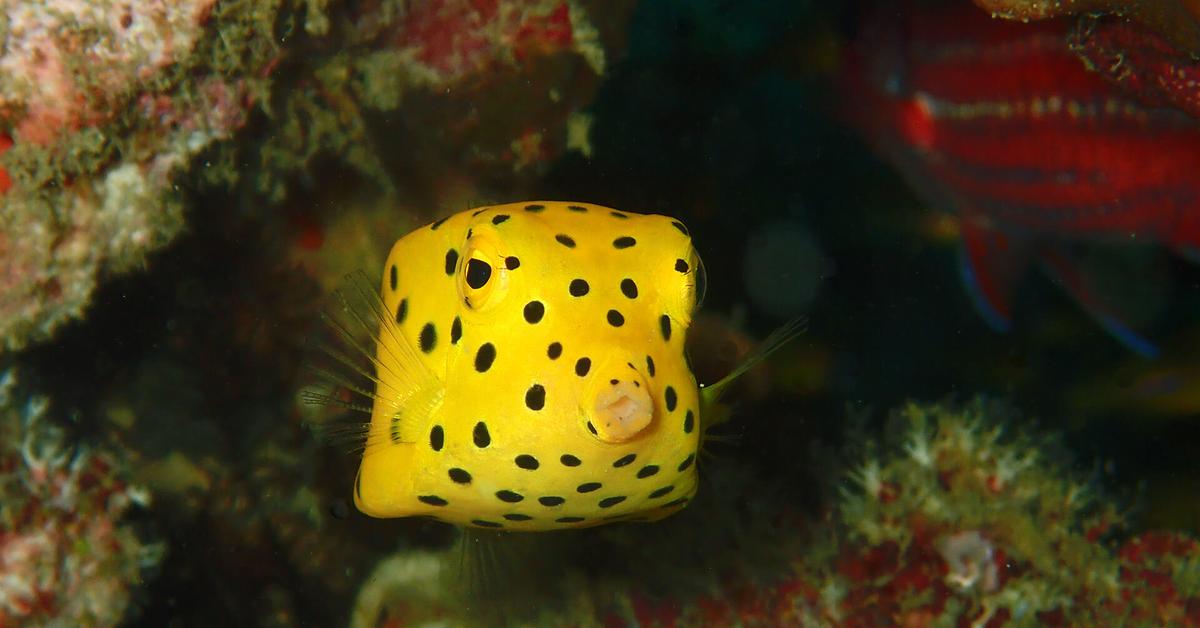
pixel 1000 123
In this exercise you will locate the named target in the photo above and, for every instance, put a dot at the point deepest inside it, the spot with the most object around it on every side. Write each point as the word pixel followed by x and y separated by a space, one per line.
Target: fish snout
pixel 621 407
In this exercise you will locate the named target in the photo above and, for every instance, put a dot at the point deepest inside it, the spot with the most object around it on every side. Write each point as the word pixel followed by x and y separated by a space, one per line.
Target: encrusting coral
pixel 102 106
pixel 66 555
pixel 112 113
pixel 1147 48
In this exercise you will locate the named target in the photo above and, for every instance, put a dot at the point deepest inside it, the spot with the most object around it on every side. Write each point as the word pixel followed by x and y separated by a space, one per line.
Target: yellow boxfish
pixel 530 373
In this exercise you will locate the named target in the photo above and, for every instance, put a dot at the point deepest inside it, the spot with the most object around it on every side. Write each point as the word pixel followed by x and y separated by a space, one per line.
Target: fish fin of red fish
pixel 1080 284
pixel 992 263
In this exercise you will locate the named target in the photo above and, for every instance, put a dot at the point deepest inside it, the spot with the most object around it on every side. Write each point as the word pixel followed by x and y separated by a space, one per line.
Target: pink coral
pixel 67 66
pixel 120 42
pixel 452 39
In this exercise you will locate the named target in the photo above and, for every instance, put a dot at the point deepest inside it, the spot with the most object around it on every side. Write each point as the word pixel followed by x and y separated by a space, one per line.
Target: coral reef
pixel 66 556
pixel 102 106
pixel 966 519
pixel 1178 20
pixel 960 520
pixel 968 523
pixel 117 44
pixel 1149 49
pixel 1139 61
pixel 112 112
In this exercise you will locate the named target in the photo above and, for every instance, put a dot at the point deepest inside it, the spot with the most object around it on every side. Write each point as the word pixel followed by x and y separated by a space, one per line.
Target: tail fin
pixel 712 411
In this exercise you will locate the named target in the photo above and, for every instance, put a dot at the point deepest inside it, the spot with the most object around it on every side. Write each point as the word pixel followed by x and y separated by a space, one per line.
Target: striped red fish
pixel 1000 123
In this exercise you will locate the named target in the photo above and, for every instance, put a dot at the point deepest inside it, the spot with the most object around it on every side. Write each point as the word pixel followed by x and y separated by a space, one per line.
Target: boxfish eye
pixel 483 278
pixel 478 273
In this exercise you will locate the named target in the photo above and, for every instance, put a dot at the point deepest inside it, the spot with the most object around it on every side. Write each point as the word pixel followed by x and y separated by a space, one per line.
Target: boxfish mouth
pixel 622 408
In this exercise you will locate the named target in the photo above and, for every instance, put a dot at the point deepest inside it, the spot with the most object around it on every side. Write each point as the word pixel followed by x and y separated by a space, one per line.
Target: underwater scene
pixel 663 313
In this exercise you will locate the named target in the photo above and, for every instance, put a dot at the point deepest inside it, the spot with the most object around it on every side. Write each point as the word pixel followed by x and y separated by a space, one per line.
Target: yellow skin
pixel 561 423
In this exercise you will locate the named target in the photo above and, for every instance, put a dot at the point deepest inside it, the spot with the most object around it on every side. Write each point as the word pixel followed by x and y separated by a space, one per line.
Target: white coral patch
pixel 969 561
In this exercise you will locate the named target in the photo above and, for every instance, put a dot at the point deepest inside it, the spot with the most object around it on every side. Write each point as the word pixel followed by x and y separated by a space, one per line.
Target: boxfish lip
pixel 621 410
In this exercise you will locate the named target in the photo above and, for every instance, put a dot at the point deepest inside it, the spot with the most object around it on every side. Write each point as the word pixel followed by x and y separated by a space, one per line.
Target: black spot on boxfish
pixel 629 288
pixel 624 242
pixel 393 277
pixel 455 331
pixel 432 500
pixel 671 399
pixel 609 502
pixel 517 517
pixel 625 460
pixel 478 211
pixel 687 462
pixel 679 225
pixel 535 397
pixel 484 357
pixel 499 218
pixel 460 476
pixel 428 338
pixel 650 365
pixel 679 502
pixel 436 438
pixel 689 422
pixel 565 240
pixel 592 429
pixel 570 461
pixel 402 310
pixel 527 462
pixel 647 471
pixel 451 261
pixel 551 500
pixel 554 350
pixel 486 524
pixel 664 322
pixel 534 311
pixel 569 519
pixel 681 266
pixel 588 487
pixel 481 436
pixel 512 263
pixel 582 365
pixel 661 491
pixel 577 208
pixel 616 214
pixel 534 208
pixel 615 319
pixel 509 496
pixel 578 287
pixel 438 223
